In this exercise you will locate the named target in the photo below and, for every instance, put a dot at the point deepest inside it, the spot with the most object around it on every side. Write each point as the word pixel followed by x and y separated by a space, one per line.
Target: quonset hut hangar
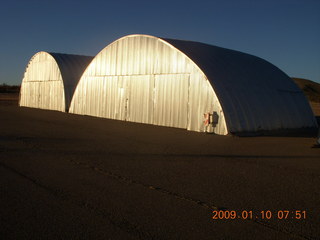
pixel 168 82
pixel 50 80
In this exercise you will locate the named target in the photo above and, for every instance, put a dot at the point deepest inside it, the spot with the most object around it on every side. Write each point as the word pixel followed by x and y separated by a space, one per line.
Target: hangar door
pixel 171 100
pixel 157 99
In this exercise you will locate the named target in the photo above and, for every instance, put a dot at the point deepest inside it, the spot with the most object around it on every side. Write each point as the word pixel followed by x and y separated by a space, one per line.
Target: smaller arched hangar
pixel 50 80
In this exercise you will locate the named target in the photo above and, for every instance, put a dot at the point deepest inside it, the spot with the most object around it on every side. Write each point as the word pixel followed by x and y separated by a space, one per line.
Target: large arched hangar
pixel 168 82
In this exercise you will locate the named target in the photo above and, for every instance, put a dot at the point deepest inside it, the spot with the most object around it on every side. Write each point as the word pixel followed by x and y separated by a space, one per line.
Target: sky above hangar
pixel 283 32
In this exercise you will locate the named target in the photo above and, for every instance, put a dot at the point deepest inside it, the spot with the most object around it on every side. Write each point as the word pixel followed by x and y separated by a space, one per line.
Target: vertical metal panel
pixel 171 100
pixel 140 99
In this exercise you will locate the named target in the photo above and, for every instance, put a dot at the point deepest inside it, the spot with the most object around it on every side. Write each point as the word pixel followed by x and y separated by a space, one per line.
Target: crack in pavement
pixel 185 198
pixel 123 224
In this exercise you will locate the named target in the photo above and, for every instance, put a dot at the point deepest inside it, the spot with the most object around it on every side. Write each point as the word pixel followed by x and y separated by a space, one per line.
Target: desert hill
pixel 4 88
pixel 311 89
pixel 312 92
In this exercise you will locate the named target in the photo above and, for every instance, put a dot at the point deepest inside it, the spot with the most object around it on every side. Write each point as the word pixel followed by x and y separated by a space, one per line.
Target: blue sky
pixel 283 32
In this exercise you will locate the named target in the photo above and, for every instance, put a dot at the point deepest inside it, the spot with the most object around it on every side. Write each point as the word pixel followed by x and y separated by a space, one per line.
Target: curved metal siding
pixel 254 94
pixel 42 85
pixel 50 80
pixel 144 79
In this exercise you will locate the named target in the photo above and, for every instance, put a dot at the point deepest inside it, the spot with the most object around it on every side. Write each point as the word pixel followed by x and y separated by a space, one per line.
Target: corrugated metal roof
pixel 71 67
pixel 254 94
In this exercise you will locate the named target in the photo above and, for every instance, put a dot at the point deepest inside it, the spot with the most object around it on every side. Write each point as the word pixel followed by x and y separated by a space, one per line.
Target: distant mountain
pixel 4 88
pixel 310 89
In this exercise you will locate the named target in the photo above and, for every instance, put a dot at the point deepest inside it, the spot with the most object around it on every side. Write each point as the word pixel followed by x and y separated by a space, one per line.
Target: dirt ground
pixel 65 176
pixel 9 99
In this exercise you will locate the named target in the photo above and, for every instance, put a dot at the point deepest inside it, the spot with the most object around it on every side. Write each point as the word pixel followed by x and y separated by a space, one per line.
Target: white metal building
pixel 168 82
pixel 50 80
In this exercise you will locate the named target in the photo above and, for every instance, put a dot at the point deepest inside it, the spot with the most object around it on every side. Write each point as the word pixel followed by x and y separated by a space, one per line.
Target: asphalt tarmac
pixel 65 176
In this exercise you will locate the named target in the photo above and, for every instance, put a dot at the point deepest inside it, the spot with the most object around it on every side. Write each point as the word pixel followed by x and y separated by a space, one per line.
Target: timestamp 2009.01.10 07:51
pixel 265 214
